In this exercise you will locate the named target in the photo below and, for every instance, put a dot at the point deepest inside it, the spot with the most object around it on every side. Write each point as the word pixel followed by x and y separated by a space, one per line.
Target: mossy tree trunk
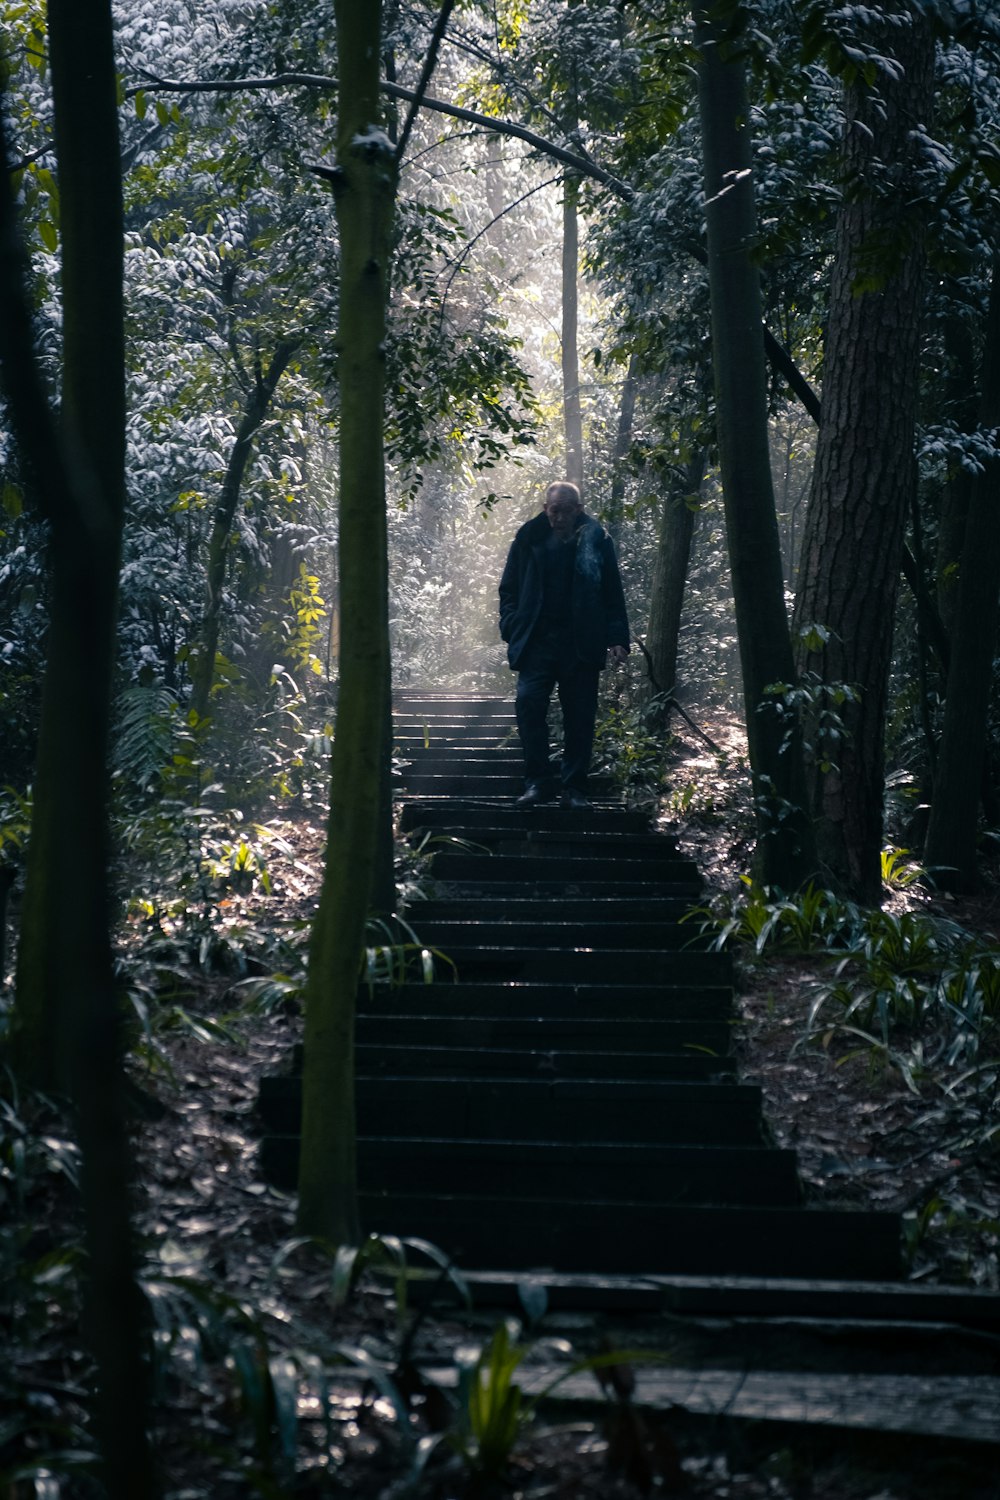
pixel 785 852
pixel 951 835
pixel 68 1007
pixel 365 190
pixel 852 548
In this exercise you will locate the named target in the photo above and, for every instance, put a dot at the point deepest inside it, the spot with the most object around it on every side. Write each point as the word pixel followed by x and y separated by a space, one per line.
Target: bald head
pixel 562 507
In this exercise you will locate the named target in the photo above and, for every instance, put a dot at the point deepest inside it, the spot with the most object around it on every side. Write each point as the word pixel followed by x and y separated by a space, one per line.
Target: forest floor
pixel 249 1320
pixel 874 1127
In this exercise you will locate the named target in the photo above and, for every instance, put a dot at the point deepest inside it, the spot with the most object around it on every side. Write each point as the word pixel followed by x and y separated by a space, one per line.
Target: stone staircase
pixel 565 1097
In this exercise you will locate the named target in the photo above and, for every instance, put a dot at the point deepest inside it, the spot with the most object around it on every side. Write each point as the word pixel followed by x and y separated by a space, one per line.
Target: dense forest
pixel 301 308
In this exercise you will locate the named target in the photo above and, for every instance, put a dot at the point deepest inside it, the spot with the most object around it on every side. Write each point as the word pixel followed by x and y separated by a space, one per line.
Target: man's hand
pixel 618 653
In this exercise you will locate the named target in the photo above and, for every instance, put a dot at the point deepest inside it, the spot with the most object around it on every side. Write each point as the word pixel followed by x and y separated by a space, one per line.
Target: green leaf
pixel 140 104
pixel 284 1390
pixel 49 237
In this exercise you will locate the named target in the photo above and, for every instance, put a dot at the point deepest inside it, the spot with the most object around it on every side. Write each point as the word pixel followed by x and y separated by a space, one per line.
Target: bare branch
pixel 430 61
pixel 459 259
pixel 579 163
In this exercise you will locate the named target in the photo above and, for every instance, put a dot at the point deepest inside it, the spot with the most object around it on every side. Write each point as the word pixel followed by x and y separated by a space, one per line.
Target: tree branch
pixel 430 61
pixel 670 701
pixel 495 126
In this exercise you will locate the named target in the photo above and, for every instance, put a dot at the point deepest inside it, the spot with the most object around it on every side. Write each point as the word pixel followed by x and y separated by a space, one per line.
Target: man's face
pixel 562 514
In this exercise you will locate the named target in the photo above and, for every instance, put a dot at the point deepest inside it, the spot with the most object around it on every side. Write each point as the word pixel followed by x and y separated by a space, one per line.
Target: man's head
pixel 562 506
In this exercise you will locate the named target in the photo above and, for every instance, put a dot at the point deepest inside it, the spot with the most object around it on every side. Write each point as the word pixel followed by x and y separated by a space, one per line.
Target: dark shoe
pixel 574 799
pixel 532 796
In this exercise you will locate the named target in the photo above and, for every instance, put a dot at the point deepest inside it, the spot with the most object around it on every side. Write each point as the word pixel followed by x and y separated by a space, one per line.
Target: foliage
pixel 915 990
pixel 634 750
pixel 760 918
pixel 899 870
pixel 39 1290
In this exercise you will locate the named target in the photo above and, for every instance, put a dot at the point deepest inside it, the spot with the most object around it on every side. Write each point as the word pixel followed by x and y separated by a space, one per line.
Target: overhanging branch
pixel 580 163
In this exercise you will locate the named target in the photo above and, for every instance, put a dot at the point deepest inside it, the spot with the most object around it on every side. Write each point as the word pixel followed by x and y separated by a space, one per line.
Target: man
pixel 562 609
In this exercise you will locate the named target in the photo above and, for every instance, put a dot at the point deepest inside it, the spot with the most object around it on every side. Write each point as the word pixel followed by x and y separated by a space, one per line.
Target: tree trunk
pixel 673 554
pixel 623 440
pixel 68 1008
pixel 961 397
pixel 850 559
pixel 784 838
pixel 225 514
pixel 365 197
pixel 572 417
pixel 951 835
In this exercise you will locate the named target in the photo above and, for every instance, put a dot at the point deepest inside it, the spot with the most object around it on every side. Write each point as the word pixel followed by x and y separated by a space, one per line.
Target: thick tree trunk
pixel 850 559
pixel 68 1006
pixel 225 514
pixel 365 196
pixel 951 836
pixel 785 855
pixel 673 555
pixel 572 415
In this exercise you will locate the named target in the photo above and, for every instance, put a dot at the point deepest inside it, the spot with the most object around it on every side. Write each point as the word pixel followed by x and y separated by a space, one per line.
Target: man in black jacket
pixel 562 610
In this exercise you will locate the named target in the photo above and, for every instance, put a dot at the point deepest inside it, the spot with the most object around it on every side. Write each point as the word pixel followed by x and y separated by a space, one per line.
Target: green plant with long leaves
pixel 494 1412
pixel 759 918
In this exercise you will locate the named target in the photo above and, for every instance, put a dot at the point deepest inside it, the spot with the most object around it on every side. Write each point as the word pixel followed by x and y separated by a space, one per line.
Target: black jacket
pixel 599 616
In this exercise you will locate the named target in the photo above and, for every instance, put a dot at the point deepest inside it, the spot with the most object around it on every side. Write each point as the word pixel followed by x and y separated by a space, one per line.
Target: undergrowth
pixel 912 995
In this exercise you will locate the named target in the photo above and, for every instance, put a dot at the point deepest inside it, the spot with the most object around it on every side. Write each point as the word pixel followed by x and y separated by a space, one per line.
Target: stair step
pixel 456 783
pixel 446 932
pixel 579 841
pixel 541 891
pixel 589 966
pixel 570 1004
pixel 580 1110
pixel 666 910
pixel 585 1111
pixel 704 1043
pixel 647 1237
pixel 445 1060
pixel 469 815
pixel 466 708
pixel 547 1169
pixel 416 731
pixel 477 756
pixel 881 1304
pixel 570 869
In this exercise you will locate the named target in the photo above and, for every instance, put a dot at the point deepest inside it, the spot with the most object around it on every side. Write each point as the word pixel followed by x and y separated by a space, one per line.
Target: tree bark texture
pixel 850 560
pixel 365 197
pixel 951 835
pixel 254 413
pixel 785 854
pixel 68 1007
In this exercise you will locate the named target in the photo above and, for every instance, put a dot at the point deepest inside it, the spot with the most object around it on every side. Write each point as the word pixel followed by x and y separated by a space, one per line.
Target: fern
pixel 144 733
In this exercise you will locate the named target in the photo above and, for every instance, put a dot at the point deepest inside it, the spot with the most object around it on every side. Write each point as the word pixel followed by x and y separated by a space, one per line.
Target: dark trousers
pixel 551 662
